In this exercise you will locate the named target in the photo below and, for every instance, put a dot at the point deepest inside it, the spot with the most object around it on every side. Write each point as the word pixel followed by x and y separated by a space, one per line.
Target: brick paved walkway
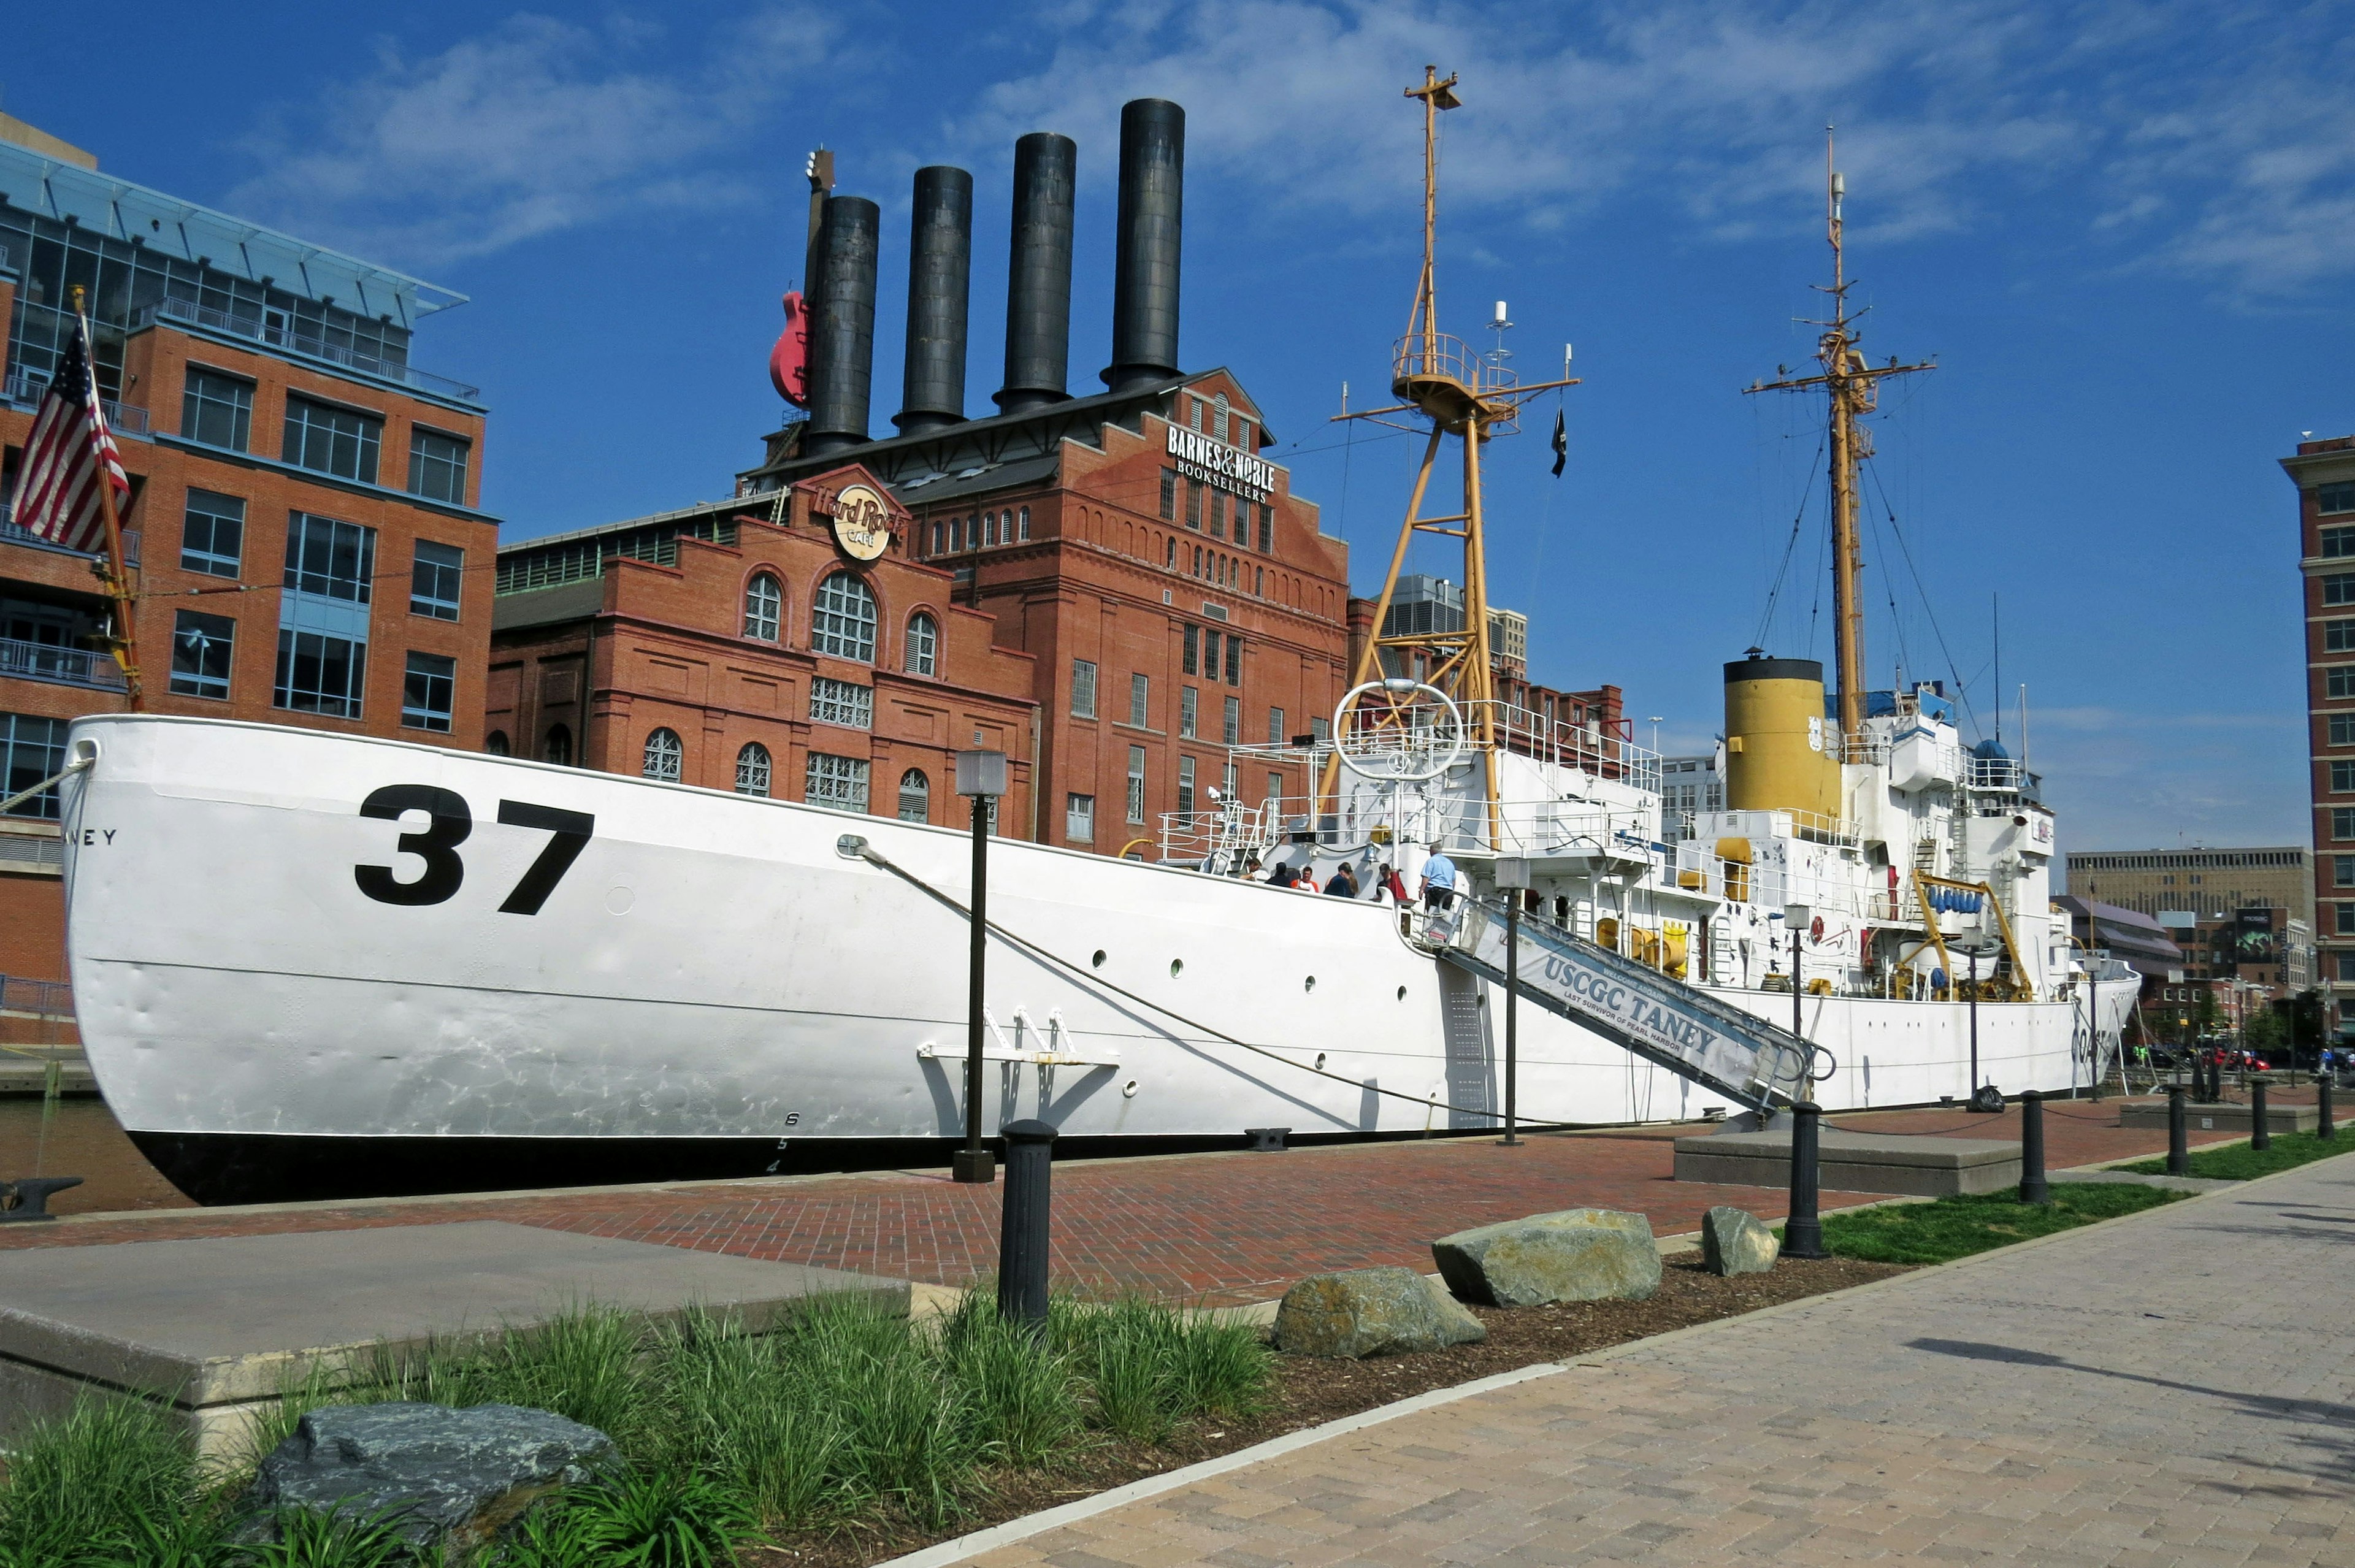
pixel 2176 1388
pixel 1220 1228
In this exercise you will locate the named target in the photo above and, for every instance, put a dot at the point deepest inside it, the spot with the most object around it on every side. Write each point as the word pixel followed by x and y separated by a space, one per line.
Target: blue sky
pixel 2127 231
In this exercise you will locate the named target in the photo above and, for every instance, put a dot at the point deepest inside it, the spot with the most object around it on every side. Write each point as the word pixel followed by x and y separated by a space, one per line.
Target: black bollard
pixel 2322 1125
pixel 2179 1138
pixel 2261 1135
pixel 28 1198
pixel 1803 1234
pixel 2032 1186
pixel 1022 1238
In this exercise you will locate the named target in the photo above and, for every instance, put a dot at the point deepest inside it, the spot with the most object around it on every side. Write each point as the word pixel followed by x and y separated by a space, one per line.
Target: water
pixel 81 1138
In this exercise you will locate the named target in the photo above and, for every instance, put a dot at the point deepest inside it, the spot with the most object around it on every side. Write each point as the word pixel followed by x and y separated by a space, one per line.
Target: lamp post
pixel 981 776
pixel 1512 881
pixel 1974 951
pixel 1797 916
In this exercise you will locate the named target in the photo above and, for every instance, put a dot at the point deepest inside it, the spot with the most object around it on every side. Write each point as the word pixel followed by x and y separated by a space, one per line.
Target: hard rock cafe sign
pixel 862 522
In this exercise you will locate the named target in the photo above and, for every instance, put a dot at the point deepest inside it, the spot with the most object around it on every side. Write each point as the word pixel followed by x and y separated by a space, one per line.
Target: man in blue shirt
pixel 1438 882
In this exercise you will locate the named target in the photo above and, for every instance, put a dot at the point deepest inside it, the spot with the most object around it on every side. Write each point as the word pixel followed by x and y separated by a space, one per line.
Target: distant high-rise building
pixel 2324 472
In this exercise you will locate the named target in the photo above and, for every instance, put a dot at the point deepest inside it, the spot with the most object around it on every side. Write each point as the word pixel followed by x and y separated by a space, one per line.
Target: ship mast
pixel 1852 388
pixel 1467 399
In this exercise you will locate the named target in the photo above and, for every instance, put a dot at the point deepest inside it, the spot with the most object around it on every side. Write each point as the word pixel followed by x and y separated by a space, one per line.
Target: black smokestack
pixel 1151 221
pixel 940 276
pixel 842 326
pixel 1038 274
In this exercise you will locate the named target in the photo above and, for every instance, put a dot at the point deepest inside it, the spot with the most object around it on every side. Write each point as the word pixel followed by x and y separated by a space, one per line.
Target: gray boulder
pixel 1371 1312
pixel 453 1477
pixel 1732 1241
pixel 1575 1254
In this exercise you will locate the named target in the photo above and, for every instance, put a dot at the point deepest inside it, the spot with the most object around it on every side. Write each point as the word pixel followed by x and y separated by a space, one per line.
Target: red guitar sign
pixel 789 360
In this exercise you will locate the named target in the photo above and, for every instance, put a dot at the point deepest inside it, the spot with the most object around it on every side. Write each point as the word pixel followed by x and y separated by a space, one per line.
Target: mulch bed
pixel 1307 1392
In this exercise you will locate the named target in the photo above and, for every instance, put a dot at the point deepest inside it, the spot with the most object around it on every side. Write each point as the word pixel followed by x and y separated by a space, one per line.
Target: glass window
pixel 1185 785
pixel 1276 735
pixel 923 651
pixel 495 743
pixel 2342 870
pixel 216 410
pixel 1234 660
pixel 1079 818
pixel 558 747
pixel 332 559
pixel 318 673
pixel 2338 588
pixel 1193 503
pixel 437 465
pixel 1189 699
pixel 1169 555
pixel 1140 701
pixel 843 623
pixel 1210 651
pixel 2342 778
pixel 842 702
pixel 435 580
pixel 2338 681
pixel 1233 729
pixel 1320 731
pixel 1218 514
pixel 764 607
pixel 1189 659
pixel 752 769
pixel 1136 784
pixel 2339 541
pixel 666 757
pixel 2343 823
pixel 341 442
pixel 2347 965
pixel 2335 497
pixel 201 646
pixel 1084 688
pixel 2343 729
pixel 429 692
pixel 1169 494
pixel 2338 636
pixel 35 749
pixel 1025 525
pixel 939 537
pixel 1266 528
pixel 1259 582
pixel 839 781
pixel 212 534
pixel 1274 787
pixel 2345 920
pixel 915 797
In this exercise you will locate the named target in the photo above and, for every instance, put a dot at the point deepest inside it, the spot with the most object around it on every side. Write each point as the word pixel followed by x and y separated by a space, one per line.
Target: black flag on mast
pixel 1560 445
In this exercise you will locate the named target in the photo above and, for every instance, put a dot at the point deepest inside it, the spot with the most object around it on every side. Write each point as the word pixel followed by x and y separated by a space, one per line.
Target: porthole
pixel 1097 962
pixel 1311 984
pixel 1177 967
pixel 1128 1090
pixel 1402 993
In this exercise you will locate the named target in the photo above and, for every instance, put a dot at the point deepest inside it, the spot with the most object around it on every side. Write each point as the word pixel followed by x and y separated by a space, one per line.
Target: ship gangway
pixel 1659 1017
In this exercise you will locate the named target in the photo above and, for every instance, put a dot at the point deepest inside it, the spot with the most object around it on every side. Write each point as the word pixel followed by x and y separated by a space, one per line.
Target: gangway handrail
pixel 1653 1015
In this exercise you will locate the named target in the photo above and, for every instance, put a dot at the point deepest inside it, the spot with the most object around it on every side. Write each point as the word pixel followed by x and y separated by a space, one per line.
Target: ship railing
pixel 1422 356
pixel 1814 827
pixel 1992 772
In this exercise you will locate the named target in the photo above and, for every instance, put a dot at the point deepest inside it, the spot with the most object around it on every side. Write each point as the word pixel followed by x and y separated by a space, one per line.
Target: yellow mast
pixel 1853 391
pixel 1469 400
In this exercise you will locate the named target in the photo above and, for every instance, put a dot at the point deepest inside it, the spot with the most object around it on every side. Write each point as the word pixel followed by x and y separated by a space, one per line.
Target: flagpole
pixel 114 571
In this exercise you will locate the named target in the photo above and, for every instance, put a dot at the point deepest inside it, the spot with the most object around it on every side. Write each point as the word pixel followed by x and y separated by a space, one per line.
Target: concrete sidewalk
pixel 2174 1388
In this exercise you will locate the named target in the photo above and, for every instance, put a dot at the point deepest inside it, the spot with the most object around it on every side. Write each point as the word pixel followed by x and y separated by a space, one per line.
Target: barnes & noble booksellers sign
pixel 1216 462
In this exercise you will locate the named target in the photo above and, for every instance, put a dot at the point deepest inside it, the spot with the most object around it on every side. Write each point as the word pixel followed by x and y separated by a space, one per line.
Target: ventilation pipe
pixel 1152 219
pixel 1038 274
pixel 940 276
pixel 842 326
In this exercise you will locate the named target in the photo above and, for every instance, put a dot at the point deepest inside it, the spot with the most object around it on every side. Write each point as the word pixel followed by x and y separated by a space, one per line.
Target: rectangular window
pixel 1266 528
pixel 2342 778
pixel 35 749
pixel 1275 736
pixel 1187 700
pixel 319 674
pixel 434 580
pixel 842 702
pixel 2343 729
pixel 2342 870
pixel 1136 784
pixel 1320 731
pixel 2335 497
pixel 212 534
pixel 201 645
pixel 1189 660
pixel 839 781
pixel 2345 920
pixel 2339 541
pixel 2346 966
pixel 1218 514
pixel 2338 636
pixel 1170 494
pixel 1234 660
pixel 2343 823
pixel 2338 588
pixel 1234 731
pixel 216 410
pixel 2338 681
pixel 1185 786
pixel 341 442
pixel 429 692
pixel 1274 786
pixel 1193 504
pixel 1210 640
pixel 437 465
pixel 332 560
pixel 1083 690
pixel 1140 702
pixel 1079 818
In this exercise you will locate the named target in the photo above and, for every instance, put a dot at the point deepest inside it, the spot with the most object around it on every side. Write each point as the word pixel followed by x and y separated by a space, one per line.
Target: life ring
pixel 1816 929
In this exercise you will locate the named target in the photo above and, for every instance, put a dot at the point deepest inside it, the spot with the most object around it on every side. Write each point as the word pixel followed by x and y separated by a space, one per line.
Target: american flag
pixel 68 457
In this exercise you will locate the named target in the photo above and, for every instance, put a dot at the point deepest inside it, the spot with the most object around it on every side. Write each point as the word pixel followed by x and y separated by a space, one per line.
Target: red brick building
pixel 303 520
pixel 2324 472
pixel 748 648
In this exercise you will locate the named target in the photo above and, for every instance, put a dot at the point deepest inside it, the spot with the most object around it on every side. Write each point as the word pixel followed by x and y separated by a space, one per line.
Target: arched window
pixel 1170 556
pixel 558 747
pixel 764 607
pixel 1026 524
pixel 936 538
pixel 752 769
pixel 843 622
pixel 923 656
pixel 956 535
pixel 915 797
pixel 665 756
pixel 1219 417
pixel 495 743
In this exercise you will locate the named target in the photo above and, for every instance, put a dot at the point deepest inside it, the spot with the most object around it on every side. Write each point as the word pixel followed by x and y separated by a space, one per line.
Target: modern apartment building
pixel 2324 472
pixel 303 527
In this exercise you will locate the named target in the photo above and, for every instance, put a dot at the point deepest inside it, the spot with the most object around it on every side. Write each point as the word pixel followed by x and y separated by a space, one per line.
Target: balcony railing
pixel 49 998
pixel 310 347
pixel 67 666
pixel 25 388
pixel 12 533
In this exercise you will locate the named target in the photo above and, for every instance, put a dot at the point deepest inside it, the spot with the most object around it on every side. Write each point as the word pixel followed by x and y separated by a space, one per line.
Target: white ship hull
pixel 713 988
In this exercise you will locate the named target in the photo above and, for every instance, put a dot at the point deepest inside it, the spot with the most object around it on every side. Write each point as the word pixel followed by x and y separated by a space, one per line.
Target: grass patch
pixel 1950 1228
pixel 2239 1162
pixel 846 1416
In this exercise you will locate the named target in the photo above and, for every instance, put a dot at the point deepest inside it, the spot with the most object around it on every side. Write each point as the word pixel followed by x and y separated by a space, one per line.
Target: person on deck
pixel 1438 882
pixel 1342 884
pixel 1281 877
pixel 1388 888
pixel 1305 881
